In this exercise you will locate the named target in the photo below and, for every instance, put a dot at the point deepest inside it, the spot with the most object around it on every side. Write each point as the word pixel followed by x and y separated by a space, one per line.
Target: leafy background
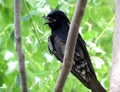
pixel 41 67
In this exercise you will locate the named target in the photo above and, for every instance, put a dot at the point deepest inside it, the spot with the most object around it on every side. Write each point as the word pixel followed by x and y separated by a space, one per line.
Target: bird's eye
pixel 57 17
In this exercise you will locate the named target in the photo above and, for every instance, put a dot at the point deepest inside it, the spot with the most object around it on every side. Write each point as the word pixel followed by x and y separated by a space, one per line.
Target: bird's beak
pixel 50 20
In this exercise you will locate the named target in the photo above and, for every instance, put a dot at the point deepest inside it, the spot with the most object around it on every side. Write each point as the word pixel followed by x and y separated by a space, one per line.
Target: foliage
pixel 42 68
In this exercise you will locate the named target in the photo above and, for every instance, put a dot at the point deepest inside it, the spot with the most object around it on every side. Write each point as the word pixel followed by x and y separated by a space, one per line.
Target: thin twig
pixel 70 45
pixel 105 29
pixel 33 24
pixel 19 45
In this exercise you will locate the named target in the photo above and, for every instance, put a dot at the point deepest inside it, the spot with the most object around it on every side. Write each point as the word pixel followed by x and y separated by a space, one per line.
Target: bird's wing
pixel 56 47
pixel 51 45
pixel 87 57
pixel 82 67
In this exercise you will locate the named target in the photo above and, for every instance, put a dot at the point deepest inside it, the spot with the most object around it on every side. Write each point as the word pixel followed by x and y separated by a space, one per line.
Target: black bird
pixel 82 68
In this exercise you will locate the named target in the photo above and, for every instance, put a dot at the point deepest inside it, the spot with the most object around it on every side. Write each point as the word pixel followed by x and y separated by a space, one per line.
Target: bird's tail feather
pixel 93 84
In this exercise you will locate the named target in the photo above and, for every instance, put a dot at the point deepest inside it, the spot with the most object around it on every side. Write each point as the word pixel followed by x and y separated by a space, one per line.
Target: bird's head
pixel 56 19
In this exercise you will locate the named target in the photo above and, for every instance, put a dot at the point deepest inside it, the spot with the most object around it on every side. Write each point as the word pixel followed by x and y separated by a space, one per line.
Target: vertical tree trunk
pixel 19 45
pixel 115 70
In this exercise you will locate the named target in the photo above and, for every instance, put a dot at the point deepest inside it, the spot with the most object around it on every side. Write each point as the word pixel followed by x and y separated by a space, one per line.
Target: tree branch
pixel 19 44
pixel 115 70
pixel 70 45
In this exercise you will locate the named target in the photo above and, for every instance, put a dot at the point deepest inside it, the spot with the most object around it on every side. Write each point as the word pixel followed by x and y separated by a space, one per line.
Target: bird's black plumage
pixel 82 67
